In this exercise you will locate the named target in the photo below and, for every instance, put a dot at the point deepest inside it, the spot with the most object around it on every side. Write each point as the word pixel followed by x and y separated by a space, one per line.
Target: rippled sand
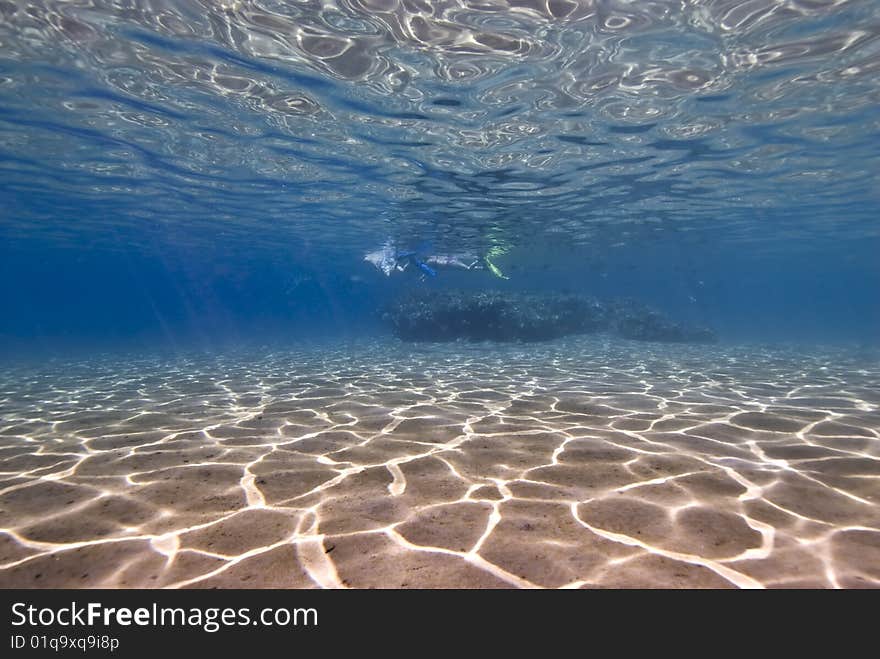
pixel 576 463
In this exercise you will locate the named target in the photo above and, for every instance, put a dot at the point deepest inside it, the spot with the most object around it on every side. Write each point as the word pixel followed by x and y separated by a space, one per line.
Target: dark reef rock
pixel 492 315
pixel 634 321
pixel 449 315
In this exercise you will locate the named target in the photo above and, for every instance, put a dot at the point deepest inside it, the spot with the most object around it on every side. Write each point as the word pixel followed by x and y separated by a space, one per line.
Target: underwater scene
pixel 439 294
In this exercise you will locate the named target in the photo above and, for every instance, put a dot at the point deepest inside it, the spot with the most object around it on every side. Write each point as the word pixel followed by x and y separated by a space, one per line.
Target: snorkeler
pixel 389 259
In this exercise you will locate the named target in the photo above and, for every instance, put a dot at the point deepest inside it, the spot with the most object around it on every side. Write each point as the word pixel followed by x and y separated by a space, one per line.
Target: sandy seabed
pixel 576 463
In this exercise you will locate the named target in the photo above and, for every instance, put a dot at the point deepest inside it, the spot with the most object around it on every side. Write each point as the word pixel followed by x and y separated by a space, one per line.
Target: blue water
pixel 198 386
pixel 188 173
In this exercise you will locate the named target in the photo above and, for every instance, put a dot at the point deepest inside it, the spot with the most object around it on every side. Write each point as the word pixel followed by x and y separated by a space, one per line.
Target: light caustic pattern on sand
pixel 578 463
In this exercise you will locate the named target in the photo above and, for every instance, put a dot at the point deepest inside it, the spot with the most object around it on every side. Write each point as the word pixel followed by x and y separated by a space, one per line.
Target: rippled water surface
pixel 549 119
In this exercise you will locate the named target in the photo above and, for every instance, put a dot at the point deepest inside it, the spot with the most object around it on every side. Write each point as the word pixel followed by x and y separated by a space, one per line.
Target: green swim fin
pixel 494 268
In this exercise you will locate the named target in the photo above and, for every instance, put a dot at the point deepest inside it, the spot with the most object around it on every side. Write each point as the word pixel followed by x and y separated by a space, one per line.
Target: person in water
pixel 388 259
